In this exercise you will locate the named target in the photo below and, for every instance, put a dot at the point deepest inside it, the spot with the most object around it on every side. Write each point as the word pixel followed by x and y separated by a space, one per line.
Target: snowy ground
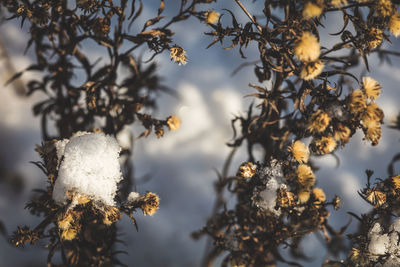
pixel 181 165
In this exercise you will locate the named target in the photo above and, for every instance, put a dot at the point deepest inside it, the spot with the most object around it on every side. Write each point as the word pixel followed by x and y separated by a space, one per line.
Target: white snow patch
pixel 89 166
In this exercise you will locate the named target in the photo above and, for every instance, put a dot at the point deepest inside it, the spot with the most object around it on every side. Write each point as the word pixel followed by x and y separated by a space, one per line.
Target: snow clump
pixel 89 165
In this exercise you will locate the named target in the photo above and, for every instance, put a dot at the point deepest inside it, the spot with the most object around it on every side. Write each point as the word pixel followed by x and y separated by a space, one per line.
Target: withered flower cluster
pixel 308 94
pixel 89 94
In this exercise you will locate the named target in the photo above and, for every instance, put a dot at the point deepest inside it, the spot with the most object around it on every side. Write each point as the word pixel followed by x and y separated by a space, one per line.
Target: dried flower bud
pixel 376 198
pixel 65 221
pixel 318 121
pixel 173 123
pixel 342 133
pixel 357 102
pixel 311 70
pixel 336 202
pixel 384 7
pixel 212 17
pixel 312 10
pixel 178 55
pixel 285 198
pixel 150 203
pixel 303 197
pixel 247 170
pixel 372 115
pixel 394 24
pixel 373 133
pixel 371 88
pixel 299 151
pixel 324 145
pixel 319 195
pixel 111 215
pixel 69 234
pixel 305 176
pixel 374 38
pixel 307 48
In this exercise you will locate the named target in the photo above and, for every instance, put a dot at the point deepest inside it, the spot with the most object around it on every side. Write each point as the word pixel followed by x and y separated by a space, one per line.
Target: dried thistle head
pixel 342 133
pixel 303 196
pixel 375 197
pixel 305 176
pixel 372 115
pixel 247 170
pixel 312 9
pixel 371 88
pixel 311 70
pixel 111 215
pixel 394 24
pixel 299 151
pixel 324 145
pixel 150 203
pixel 285 198
pixel 212 17
pixel 69 234
pixel 173 123
pixel 384 7
pixel 373 133
pixel 374 38
pixel 318 121
pixel 357 102
pixel 65 221
pixel 319 195
pixel 396 182
pixel 307 47
pixel 178 55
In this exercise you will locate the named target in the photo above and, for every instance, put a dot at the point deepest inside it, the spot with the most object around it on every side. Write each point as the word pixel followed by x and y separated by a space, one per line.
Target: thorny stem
pixel 259 28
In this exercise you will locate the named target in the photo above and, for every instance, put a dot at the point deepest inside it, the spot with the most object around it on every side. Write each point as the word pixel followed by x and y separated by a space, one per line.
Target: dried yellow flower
pixel 305 175
pixel 396 182
pixel 173 123
pixel 372 115
pixel 342 133
pixel 373 133
pixel 303 197
pixel 150 203
pixel 65 221
pixel 318 121
pixel 394 24
pixel 307 48
pixel 371 88
pixel 69 234
pixel 384 7
pixel 285 198
pixel 247 170
pixel 319 195
pixel 111 215
pixel 178 55
pixel 299 151
pixel 311 70
pixel 376 197
pixel 312 10
pixel 212 17
pixel 374 38
pixel 357 102
pixel 324 145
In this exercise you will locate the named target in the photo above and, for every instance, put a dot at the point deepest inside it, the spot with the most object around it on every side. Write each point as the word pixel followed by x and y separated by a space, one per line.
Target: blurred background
pixel 180 167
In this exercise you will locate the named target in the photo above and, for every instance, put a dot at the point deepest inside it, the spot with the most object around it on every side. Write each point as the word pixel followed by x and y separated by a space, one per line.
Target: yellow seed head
pixel 318 122
pixel 376 198
pixel 311 70
pixel 394 24
pixel 324 145
pixel 247 170
pixel 319 195
pixel 342 134
pixel 65 221
pixel 371 88
pixel 69 234
pixel 307 48
pixel 212 17
pixel 111 215
pixel 384 7
pixel 312 10
pixel 374 38
pixel 357 102
pixel 173 123
pixel 305 176
pixel 299 151
pixel 303 197
pixel 373 133
pixel 178 55
pixel 372 115
pixel 150 204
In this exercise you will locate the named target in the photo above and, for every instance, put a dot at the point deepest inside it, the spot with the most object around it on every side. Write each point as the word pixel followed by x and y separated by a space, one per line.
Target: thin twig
pixel 259 28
